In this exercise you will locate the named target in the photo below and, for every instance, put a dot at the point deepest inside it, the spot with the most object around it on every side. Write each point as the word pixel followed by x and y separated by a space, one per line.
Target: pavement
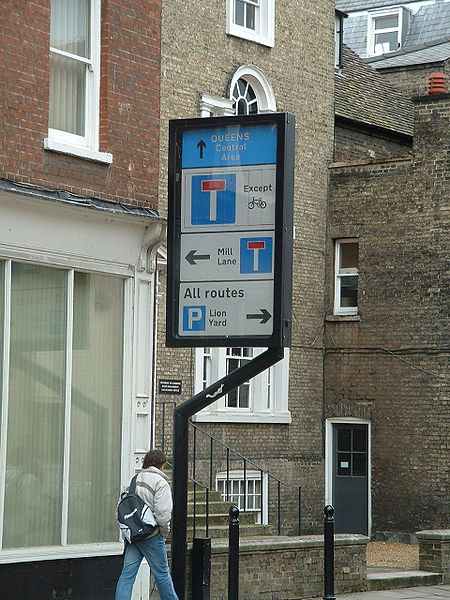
pixel 428 592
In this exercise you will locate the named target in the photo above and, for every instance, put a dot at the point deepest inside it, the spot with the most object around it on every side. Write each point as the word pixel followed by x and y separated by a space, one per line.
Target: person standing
pixel 153 487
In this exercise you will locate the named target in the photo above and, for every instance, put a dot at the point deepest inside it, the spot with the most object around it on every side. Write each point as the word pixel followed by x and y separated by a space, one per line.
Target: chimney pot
pixel 437 83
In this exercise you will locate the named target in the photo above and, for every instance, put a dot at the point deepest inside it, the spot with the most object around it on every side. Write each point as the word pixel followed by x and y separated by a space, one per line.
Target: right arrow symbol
pixel 264 315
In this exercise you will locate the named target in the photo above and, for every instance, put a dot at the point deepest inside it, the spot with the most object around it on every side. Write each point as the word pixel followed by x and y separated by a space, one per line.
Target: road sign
pixel 230 231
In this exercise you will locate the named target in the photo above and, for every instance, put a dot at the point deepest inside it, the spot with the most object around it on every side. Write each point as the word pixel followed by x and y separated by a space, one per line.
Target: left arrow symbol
pixel 264 315
pixel 192 257
pixel 201 146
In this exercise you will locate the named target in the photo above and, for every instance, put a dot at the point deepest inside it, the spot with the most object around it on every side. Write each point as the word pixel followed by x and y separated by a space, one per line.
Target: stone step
pixel 222 531
pixel 391 579
pixel 214 506
pixel 219 518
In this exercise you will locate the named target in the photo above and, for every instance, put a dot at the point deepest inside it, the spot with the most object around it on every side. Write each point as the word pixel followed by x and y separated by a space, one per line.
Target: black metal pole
pixel 180 488
pixel 233 554
pixel 180 452
pixel 328 550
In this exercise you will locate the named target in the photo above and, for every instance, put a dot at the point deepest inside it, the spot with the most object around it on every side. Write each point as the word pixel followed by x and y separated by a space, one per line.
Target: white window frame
pixel 338 273
pixel 250 475
pixel 269 392
pixel 31 238
pixel 372 30
pixel 86 146
pixel 264 32
pixel 265 95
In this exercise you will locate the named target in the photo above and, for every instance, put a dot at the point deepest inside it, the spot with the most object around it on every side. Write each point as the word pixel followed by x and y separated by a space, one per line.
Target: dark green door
pixel 350 478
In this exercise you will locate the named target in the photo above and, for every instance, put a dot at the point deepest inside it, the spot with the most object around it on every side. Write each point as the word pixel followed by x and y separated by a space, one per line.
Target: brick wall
pixel 129 106
pixel 288 568
pixel 413 81
pixel 351 143
pixel 392 366
pixel 199 57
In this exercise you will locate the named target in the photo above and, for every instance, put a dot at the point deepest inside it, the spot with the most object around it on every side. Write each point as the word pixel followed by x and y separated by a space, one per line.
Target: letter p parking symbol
pixel 194 318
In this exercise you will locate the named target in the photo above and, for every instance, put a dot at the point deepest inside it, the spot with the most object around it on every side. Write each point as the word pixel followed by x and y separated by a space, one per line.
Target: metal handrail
pixel 246 462
pixel 194 516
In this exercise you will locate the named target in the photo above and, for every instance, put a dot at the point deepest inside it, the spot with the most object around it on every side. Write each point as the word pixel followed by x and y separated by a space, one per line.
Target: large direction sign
pixel 230 231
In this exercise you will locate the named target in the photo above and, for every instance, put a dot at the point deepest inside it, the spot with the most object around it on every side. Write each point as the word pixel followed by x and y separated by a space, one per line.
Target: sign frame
pixel 283 229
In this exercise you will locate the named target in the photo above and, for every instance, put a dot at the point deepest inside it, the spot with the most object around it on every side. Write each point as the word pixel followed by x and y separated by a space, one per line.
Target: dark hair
pixel 154 458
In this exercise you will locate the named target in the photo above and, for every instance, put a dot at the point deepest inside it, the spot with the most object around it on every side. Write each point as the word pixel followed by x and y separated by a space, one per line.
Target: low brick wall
pixel 288 568
pixel 434 551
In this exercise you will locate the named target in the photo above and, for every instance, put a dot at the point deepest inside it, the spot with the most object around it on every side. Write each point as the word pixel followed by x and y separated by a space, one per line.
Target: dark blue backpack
pixel 136 520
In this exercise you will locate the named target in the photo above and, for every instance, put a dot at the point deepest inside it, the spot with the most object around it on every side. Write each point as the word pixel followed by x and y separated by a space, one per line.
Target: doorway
pixel 350 467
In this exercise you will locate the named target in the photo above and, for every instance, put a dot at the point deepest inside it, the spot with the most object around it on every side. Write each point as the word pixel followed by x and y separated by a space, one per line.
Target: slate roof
pixel 364 96
pixel 419 55
pixel 431 23
pixel 356 5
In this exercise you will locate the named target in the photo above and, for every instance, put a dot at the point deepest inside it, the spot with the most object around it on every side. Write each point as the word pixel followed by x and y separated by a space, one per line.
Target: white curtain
pixel 96 408
pixel 69 32
pixel 32 514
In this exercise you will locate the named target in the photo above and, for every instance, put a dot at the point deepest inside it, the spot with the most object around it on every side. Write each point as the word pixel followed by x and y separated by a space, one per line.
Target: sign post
pixel 230 235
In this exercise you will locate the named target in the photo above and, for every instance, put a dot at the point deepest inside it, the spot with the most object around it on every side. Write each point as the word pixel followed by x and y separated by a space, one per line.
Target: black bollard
pixel 328 552
pixel 201 569
pixel 233 554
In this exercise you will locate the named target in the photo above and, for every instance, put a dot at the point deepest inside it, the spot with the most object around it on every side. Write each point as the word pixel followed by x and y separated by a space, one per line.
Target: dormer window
pixel 385 32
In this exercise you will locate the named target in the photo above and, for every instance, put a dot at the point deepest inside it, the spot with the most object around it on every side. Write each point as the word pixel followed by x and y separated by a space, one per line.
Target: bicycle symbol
pixel 259 202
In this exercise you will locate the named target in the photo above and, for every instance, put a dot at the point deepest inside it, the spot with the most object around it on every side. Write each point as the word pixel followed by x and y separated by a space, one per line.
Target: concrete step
pixel 222 531
pixel 391 579
pixel 219 518
pixel 214 506
pixel 200 496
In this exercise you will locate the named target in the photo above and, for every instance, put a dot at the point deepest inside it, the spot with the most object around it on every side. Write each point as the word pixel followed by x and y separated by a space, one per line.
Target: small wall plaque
pixel 170 386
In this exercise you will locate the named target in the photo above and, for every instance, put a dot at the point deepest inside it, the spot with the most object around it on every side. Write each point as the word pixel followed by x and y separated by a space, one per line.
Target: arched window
pixel 250 92
pixel 244 98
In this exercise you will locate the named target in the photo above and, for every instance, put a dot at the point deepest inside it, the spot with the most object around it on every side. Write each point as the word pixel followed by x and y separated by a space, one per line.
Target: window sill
pixel 236 418
pixel 346 318
pixel 78 151
pixel 60 552
pixel 251 36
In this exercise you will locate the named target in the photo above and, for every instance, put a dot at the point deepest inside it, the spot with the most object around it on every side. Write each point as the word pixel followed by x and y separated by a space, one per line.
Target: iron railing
pixel 206 462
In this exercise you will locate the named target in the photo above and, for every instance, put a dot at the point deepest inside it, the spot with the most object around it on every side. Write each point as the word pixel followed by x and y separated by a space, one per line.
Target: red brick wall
pixel 129 106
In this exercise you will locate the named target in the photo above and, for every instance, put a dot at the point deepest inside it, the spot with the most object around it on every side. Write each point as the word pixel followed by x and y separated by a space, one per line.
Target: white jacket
pixel 153 487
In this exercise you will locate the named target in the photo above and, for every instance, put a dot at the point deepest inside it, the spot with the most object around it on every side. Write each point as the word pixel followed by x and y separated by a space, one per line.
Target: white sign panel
pixel 226 308
pixel 227 256
pixel 228 199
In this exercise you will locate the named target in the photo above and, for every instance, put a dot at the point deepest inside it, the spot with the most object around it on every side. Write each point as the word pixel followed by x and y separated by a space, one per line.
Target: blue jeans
pixel 154 551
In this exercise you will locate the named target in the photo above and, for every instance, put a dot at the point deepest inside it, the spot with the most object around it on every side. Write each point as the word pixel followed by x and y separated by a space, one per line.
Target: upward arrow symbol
pixel 201 146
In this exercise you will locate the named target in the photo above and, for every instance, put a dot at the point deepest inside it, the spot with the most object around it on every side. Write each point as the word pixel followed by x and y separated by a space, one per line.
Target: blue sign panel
pixel 213 199
pixel 194 318
pixel 256 255
pixel 240 145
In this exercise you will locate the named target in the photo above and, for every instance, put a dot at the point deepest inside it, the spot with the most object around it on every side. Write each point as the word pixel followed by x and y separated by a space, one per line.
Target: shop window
pixel 252 20
pixel 75 79
pixel 62 341
pixel 346 277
